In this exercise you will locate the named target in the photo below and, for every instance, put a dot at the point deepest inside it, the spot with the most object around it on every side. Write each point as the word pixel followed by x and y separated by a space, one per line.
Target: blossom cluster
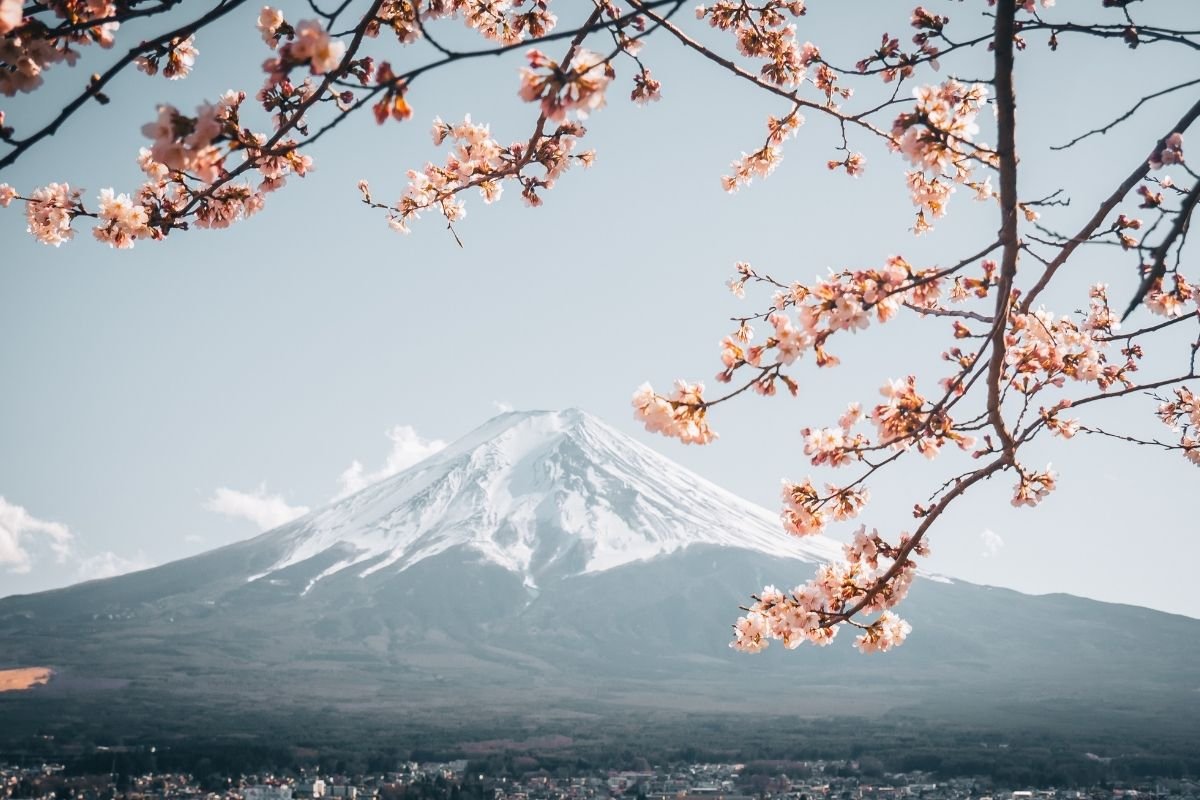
pixel 307 44
pixel 905 419
pixel 893 63
pixel 1168 151
pixel 29 47
pixel 1171 303
pixel 579 86
pixel 1182 416
pixel 1041 350
pixel 762 162
pixel 833 446
pixel 682 415
pixel 805 316
pixel 806 511
pixel 50 211
pixel 938 138
pixel 188 177
pixel 764 32
pixel 814 611
pixel 477 161
pixel 1033 487
pixel 505 22
pixel 179 54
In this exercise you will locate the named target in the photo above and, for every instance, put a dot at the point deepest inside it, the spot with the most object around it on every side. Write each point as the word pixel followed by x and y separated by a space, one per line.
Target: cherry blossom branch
pixel 20 146
pixel 1151 329
pixel 290 123
pixel 1123 117
pixel 411 75
pixel 735 69
pixel 899 562
pixel 1129 439
pixel 1158 256
pixel 1106 208
pixel 124 16
pixel 1143 34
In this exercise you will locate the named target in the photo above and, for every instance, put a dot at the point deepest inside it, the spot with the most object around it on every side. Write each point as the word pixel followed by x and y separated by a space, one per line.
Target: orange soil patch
pixel 16 680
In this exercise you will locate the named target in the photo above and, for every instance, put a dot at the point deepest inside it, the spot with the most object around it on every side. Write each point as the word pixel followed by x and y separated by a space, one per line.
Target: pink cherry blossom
pixel 50 211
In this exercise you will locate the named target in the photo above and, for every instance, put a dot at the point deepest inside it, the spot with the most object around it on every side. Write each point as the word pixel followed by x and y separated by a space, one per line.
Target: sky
pixel 183 395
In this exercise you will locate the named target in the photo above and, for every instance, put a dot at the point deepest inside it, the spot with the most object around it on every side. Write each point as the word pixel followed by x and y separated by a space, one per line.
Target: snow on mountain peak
pixel 539 493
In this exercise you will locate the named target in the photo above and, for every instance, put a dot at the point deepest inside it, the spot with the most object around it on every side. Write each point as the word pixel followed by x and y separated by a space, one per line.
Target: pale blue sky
pixel 278 352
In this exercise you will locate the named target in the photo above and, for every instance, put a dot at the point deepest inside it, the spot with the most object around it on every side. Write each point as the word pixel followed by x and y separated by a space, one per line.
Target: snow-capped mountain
pixel 541 494
pixel 546 564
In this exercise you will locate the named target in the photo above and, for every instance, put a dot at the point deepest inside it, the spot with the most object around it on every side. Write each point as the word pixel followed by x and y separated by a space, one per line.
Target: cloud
pixel 194 538
pixel 265 510
pixel 503 406
pixel 408 448
pixel 23 537
pixel 991 542
pixel 108 564
pixel 20 530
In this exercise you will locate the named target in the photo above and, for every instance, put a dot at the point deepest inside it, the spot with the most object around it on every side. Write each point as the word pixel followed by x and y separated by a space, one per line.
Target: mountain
pixel 546 496
pixel 548 566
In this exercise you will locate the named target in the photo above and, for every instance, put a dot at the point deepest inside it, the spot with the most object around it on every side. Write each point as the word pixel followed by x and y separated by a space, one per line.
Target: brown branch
pixel 1131 389
pixel 1158 256
pixel 1150 329
pixel 949 312
pixel 1106 208
pixel 1007 149
pixel 1106 128
pixel 902 554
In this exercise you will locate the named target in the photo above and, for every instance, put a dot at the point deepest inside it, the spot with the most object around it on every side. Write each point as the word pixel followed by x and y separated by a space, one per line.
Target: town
pixel 458 780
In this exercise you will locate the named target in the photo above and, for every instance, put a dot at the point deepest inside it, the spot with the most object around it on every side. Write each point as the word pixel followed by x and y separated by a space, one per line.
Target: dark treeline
pixel 333 743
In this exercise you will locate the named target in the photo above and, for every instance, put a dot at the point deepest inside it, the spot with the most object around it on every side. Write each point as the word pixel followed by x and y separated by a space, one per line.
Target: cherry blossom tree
pixel 1015 371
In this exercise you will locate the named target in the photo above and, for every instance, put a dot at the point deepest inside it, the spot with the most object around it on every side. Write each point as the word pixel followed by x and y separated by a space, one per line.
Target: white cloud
pixel 23 537
pixel 503 406
pixel 108 564
pixel 408 448
pixel 991 542
pixel 265 510
pixel 194 538
pixel 19 530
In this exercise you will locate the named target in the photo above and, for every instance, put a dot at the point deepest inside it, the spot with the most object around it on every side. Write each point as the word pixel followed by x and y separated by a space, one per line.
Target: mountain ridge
pixel 548 565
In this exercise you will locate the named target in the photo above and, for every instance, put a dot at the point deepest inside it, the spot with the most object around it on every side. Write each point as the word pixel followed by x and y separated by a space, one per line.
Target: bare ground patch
pixel 17 680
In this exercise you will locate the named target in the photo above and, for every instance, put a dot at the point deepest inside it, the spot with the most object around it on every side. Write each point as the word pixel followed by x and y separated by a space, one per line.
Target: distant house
pixel 267 792
pixel 310 789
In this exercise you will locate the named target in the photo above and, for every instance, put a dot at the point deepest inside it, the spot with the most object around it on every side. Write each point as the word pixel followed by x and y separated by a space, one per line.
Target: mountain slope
pixel 540 494
pixel 546 564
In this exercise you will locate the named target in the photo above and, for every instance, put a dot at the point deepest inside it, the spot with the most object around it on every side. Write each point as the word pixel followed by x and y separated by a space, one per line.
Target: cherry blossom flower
pixel 1032 488
pixel 883 634
pixel 50 211
pixel 682 415
pixel 645 88
pixel 270 20
pixel 12 12
pixel 181 58
pixel 314 46
pixel 578 87
pixel 121 221
pixel 1168 151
